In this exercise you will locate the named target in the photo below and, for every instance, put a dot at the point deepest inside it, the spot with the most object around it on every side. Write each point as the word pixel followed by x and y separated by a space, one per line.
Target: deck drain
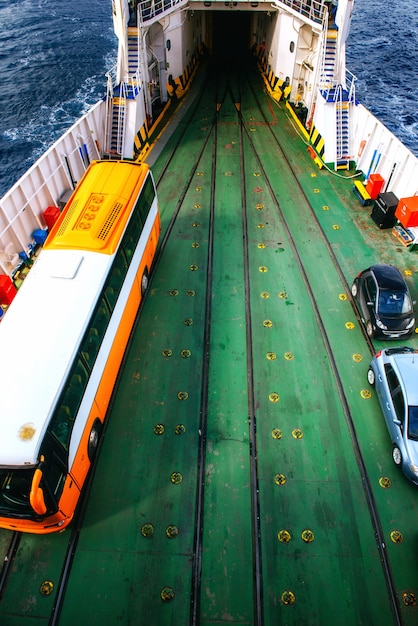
pixel 172 531
pixel 167 352
pixel 274 397
pixel 284 536
pixel 385 482
pixel 159 429
pixel 46 588
pixel 182 395
pixel 308 535
pixel 297 433
pixel 147 530
pixel 288 597
pixel 276 433
pixel 396 536
pixel 271 356
pixel 409 598
pixel 176 478
pixel 167 594
pixel 180 429
pixel 280 479
pixel 267 323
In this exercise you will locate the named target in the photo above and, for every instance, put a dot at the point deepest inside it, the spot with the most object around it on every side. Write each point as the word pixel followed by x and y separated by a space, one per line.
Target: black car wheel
pixel 397 456
pixel 94 438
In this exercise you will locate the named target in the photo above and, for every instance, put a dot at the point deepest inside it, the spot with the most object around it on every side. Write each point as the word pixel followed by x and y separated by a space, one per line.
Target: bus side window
pixel 61 425
pixel 115 280
pixel 63 419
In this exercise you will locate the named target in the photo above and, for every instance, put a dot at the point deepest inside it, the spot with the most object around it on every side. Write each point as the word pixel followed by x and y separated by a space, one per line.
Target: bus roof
pixel 38 337
pixel 94 217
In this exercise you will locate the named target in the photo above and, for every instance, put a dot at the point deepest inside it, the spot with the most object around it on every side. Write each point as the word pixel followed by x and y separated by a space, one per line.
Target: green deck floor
pixel 309 481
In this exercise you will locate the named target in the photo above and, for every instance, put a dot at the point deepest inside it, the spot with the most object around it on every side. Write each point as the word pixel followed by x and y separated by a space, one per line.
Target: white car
pixel 394 374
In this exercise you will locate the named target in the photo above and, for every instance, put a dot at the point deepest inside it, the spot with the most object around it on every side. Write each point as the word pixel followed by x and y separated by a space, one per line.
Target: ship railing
pixel 151 10
pixel 332 90
pixel 313 10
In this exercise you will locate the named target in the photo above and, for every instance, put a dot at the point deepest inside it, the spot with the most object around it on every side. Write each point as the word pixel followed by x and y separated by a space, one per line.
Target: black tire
pixel 94 439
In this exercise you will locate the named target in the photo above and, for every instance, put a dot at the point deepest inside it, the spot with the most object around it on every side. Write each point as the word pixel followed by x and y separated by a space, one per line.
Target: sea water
pixel 54 55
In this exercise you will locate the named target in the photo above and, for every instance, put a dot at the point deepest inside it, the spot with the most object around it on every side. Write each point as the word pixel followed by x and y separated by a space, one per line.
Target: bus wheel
pixel 144 281
pixel 94 439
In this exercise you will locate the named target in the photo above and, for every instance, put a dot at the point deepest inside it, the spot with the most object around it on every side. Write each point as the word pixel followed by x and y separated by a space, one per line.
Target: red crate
pixel 374 185
pixel 407 211
pixel 51 214
pixel 7 289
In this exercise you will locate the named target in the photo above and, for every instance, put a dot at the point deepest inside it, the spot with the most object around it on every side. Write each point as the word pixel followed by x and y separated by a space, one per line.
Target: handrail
pixel 314 10
pixel 150 9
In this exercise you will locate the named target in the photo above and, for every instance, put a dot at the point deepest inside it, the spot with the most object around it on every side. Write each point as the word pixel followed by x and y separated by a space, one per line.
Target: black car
pixel 384 302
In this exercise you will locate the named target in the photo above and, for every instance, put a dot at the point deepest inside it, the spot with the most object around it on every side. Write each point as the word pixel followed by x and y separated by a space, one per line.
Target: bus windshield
pixel 15 486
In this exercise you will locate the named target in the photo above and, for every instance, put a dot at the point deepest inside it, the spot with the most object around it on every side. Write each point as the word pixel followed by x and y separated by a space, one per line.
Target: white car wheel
pixel 397 456
pixel 371 377
pixel 354 290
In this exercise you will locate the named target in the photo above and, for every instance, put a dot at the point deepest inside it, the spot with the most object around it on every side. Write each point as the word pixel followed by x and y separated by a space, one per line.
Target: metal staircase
pixel 342 128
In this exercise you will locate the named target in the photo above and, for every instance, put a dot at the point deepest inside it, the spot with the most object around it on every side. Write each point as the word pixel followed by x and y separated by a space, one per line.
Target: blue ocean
pixel 54 56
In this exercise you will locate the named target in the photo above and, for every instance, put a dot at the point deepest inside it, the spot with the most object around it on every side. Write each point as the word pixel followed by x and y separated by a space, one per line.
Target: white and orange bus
pixel 63 338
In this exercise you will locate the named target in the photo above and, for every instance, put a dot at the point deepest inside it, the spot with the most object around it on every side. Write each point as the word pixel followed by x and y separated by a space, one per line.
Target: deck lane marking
pixel 280 479
pixel 308 535
pixel 396 536
pixel 147 530
pixel 288 597
pixel 167 594
pixel 284 536
pixel 385 482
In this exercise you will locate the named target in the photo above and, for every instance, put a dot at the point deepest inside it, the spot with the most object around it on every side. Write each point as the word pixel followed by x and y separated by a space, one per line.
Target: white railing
pixel 313 10
pixel 150 9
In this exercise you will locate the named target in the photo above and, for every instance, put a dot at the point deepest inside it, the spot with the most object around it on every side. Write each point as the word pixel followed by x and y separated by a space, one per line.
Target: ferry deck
pixel 245 472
